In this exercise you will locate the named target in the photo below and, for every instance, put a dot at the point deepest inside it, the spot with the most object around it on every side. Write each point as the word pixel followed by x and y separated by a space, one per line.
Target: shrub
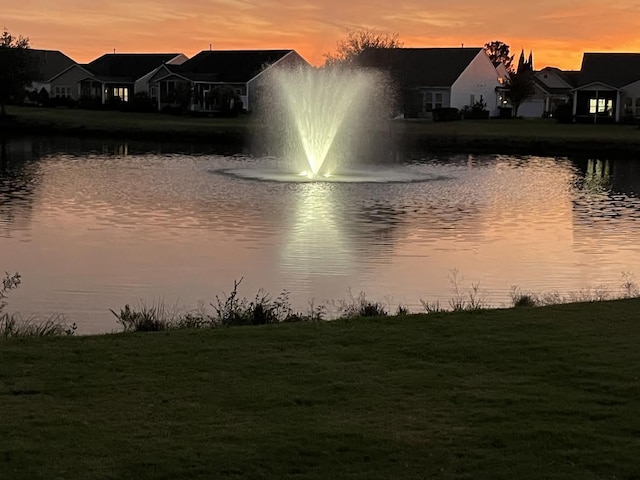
pixel 446 114
pixel 231 309
pixel 564 113
pixel 359 306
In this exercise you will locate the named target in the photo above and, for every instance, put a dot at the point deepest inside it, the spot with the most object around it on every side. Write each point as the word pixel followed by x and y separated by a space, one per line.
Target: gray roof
pixel 416 67
pixel 49 63
pixel 126 67
pixel 569 76
pixel 614 69
pixel 230 66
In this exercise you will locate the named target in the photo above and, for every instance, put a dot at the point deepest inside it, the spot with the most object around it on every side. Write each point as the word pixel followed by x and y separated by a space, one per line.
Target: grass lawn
pixel 125 122
pixel 527 130
pixel 549 393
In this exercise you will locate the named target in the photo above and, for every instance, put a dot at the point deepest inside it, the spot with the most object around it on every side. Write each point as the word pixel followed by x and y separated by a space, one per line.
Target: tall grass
pixel 12 325
pixel 628 289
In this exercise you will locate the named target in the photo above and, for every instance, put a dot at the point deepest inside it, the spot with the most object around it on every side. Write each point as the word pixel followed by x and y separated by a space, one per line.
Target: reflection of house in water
pixel 606 209
pixel 615 176
pixel 19 182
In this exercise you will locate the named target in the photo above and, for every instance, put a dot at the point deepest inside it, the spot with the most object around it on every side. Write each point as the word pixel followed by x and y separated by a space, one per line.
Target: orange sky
pixel 558 31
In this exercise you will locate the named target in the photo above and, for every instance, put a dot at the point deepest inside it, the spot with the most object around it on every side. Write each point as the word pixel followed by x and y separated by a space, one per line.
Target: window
pixel 637 112
pixel 427 101
pixel 432 100
pixel 438 102
pixel 601 105
pixel 62 92
pixel 122 93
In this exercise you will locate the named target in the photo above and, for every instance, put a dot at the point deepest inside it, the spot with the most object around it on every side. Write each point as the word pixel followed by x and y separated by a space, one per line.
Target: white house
pixel 434 78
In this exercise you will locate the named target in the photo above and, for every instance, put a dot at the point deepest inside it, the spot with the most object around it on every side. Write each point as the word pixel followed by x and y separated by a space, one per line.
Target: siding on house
pixel 142 84
pixel 253 86
pixel 432 77
pixel 49 63
pixel 479 79
pixel 69 79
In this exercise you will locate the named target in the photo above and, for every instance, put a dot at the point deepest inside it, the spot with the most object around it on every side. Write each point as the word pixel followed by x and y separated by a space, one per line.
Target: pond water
pixel 92 226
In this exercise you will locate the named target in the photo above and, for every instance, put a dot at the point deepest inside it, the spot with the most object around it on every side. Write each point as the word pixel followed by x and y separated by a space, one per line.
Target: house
pixel 111 77
pixel 434 78
pixel 47 64
pixel 608 88
pixel 203 79
pixel 553 87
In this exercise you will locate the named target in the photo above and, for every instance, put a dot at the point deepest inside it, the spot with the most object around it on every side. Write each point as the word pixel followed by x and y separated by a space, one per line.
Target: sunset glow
pixel 558 31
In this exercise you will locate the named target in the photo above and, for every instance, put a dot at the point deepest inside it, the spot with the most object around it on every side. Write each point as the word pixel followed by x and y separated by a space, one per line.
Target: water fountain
pixel 330 125
pixel 315 105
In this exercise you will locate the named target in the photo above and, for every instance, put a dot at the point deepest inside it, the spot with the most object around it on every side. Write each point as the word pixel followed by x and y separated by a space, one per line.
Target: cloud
pixel 557 30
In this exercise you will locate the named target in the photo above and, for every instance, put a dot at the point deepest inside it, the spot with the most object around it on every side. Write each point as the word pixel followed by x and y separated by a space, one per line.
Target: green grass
pixel 527 129
pixel 530 393
pixel 125 122
pixel 521 131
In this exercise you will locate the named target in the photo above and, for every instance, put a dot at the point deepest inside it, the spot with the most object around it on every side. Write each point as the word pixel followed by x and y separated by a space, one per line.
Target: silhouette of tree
pixel 356 42
pixel 521 84
pixel 499 52
pixel 16 70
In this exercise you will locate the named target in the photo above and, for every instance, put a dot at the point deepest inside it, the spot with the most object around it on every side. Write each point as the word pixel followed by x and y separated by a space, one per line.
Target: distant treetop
pixel 356 42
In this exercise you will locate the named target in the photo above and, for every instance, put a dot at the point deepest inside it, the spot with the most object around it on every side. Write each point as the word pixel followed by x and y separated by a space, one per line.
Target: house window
pixel 438 101
pixel 628 106
pixel 432 100
pixel 427 101
pixel 62 92
pixel 122 93
pixel 600 105
pixel 637 112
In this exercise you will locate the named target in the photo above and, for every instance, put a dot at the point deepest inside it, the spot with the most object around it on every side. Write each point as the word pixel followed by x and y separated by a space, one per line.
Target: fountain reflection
pixel 315 242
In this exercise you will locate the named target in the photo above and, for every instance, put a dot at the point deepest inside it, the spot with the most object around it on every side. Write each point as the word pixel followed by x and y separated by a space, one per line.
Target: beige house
pixel 239 71
pixel 111 77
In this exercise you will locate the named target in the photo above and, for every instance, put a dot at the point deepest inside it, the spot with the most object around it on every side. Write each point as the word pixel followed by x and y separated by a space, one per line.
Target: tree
pixel 499 52
pixel 521 84
pixel 356 42
pixel 16 69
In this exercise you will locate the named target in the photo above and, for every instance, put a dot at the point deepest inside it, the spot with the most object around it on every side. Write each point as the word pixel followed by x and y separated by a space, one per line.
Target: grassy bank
pixel 535 393
pixel 541 136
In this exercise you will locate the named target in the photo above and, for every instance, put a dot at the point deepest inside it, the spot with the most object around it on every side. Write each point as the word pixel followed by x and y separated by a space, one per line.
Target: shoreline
pixel 494 136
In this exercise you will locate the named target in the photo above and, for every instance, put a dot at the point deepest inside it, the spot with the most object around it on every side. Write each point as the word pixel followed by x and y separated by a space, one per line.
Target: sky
pixel 557 31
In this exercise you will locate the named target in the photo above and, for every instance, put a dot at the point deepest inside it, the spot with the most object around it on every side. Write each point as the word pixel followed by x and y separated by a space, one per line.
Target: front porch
pixel 596 103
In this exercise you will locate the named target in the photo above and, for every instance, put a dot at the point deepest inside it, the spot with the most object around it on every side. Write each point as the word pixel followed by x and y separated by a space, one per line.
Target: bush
pixel 564 113
pixel 477 111
pixel 359 306
pixel 446 114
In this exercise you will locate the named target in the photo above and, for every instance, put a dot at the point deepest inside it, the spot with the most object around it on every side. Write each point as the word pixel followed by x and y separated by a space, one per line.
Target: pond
pixel 94 225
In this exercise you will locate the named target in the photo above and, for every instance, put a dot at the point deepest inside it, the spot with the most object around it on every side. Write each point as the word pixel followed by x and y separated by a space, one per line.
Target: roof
pixel 570 77
pixel 614 69
pixel 229 66
pixel 49 63
pixel 127 66
pixel 433 67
